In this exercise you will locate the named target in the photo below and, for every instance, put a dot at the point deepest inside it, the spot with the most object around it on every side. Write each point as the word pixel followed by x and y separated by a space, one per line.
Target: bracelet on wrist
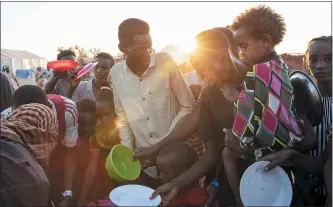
pixel 215 183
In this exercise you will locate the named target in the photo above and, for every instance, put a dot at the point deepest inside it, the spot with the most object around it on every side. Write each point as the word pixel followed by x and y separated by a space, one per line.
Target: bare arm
pixel 311 164
pixel 310 139
pixel 89 176
pixel 186 121
pixel 125 131
pixel 51 84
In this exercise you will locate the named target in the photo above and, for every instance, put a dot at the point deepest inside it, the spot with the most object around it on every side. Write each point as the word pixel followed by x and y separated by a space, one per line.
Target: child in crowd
pixel 265 119
pixel 98 145
pixel 172 160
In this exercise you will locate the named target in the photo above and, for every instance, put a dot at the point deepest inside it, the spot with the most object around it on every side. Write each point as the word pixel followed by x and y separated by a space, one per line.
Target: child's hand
pixel 212 191
pixel 231 141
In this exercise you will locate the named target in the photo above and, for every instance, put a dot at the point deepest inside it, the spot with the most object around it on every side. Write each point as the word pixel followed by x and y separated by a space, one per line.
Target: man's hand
pixel 167 192
pixel 280 158
pixel 73 82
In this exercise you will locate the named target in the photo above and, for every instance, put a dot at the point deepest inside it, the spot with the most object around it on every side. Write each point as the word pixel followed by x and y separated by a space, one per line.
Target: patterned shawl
pixel 34 125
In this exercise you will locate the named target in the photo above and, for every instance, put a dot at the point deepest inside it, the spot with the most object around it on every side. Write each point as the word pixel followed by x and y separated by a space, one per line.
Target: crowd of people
pixel 194 134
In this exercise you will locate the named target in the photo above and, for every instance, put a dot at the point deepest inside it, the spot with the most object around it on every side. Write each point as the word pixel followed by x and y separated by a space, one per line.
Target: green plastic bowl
pixel 120 165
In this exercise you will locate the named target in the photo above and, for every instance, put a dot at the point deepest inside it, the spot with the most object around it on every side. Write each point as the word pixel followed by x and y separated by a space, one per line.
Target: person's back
pixel 23 181
pixel 6 93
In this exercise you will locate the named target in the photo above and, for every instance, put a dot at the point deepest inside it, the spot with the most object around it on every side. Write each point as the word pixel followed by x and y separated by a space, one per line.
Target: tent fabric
pixel 19 59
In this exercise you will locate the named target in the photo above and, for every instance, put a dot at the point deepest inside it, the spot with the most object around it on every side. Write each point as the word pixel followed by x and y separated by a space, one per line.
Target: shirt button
pixel 143 99
pixel 140 79
pixel 147 119
pixel 149 92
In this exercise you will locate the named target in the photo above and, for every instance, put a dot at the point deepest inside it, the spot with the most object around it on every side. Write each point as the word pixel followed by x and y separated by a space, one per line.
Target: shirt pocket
pixel 159 99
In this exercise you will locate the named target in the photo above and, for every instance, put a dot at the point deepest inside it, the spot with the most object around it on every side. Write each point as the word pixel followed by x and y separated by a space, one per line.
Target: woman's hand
pixel 231 141
pixel 73 82
pixel 167 192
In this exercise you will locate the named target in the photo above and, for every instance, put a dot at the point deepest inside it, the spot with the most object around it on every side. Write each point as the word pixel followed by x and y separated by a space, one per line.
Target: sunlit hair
pixel 106 56
pixel 261 20
pixel 322 38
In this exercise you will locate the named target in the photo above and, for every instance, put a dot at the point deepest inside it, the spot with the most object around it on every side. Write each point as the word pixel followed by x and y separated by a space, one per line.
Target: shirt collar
pixel 152 63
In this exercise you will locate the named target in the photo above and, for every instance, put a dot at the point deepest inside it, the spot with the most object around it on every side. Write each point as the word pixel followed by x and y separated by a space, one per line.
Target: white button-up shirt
pixel 150 107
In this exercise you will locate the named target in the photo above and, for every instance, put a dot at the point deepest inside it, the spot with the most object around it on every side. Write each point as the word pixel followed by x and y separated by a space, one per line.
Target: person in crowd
pixel 63 158
pixel 90 89
pixel 27 138
pixel 210 55
pixel 318 59
pixel 105 137
pixel 172 160
pixel 6 93
pixel 39 77
pixel 312 165
pixel 59 83
pixel 10 76
pixel 151 96
pixel 266 96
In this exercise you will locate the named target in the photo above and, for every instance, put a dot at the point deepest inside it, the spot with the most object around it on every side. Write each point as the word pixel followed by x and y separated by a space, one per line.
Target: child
pixel 265 120
pixel 172 160
pixel 100 144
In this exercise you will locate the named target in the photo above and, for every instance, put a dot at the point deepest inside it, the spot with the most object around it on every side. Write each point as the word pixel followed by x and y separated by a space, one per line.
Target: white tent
pixel 19 59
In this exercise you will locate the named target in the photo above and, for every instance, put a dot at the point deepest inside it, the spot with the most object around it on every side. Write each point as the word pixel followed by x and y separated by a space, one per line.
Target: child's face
pixel 251 50
pixel 87 123
pixel 167 171
pixel 104 111
pixel 320 60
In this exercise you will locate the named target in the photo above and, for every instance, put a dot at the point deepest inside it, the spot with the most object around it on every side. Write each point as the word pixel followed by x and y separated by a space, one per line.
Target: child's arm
pixel 309 141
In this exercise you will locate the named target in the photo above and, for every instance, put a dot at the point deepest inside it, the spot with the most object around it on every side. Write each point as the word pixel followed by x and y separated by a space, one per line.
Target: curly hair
pixel 105 56
pixel 261 20
pixel 322 38
pixel 64 53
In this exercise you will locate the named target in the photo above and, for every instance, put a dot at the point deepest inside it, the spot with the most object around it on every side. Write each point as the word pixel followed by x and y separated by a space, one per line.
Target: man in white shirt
pixel 152 98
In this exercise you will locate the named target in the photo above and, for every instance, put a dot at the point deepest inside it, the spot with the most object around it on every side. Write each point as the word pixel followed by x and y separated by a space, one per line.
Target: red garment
pixel 195 196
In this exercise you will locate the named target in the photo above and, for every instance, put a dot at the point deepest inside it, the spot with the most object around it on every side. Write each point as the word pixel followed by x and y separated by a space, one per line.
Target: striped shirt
pixel 321 130
pixel 322 136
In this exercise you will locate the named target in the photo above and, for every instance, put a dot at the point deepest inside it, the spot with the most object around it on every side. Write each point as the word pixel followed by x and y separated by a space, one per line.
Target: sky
pixel 42 27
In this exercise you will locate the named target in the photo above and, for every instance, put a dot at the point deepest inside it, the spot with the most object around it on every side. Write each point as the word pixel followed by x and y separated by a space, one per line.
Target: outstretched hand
pixel 146 155
pixel 167 192
pixel 280 158
pixel 72 79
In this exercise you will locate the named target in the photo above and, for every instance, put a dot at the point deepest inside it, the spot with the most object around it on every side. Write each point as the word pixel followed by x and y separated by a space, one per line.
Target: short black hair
pixel 105 94
pixel 261 20
pixel 131 27
pixel 86 106
pixel 64 53
pixel 322 38
pixel 105 56
pixel 28 94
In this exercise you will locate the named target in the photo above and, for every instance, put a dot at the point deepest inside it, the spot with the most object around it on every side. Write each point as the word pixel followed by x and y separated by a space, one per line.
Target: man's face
pixel 140 50
pixel 102 69
pixel 250 49
pixel 320 61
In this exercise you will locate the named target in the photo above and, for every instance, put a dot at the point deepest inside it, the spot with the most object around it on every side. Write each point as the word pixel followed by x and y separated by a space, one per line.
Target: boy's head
pixel 257 31
pixel 105 106
pixel 318 57
pixel 87 117
pixel 135 41
pixel 64 55
pixel 174 159
pixel 103 68
pixel 28 94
